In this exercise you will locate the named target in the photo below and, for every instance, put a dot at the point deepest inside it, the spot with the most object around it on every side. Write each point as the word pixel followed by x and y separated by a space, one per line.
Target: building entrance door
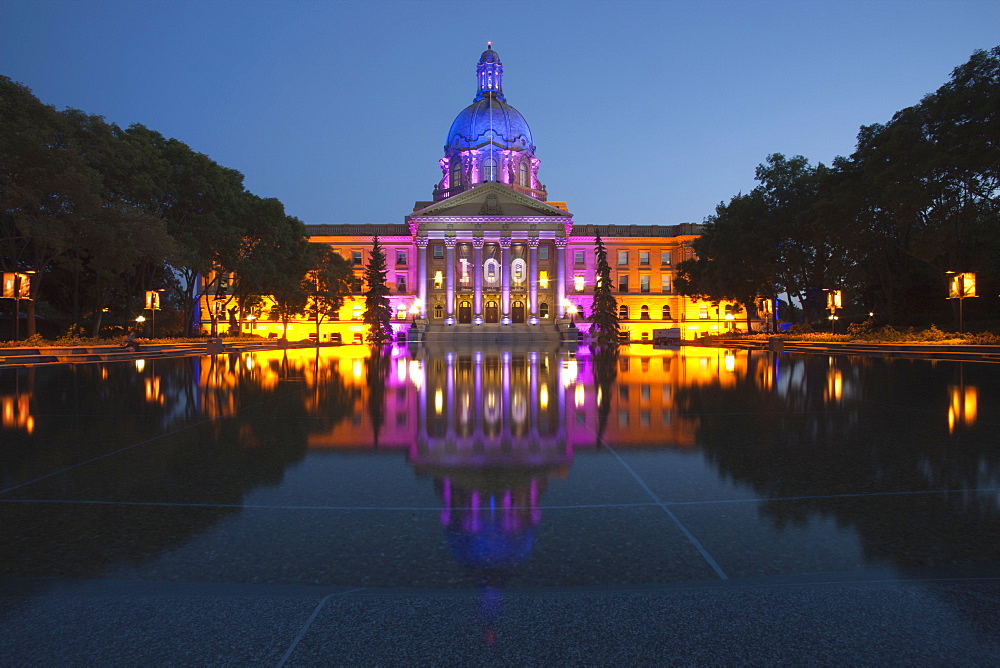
pixel 464 313
pixel 492 312
pixel 517 311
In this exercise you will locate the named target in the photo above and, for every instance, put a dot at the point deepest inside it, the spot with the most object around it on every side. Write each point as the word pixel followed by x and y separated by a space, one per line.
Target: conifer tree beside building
pixel 604 309
pixel 377 310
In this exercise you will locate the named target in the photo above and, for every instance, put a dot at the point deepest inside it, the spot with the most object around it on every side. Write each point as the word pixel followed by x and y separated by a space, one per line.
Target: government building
pixel 490 258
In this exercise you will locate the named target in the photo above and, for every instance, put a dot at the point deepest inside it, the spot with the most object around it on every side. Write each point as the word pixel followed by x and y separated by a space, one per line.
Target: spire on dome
pixel 489 71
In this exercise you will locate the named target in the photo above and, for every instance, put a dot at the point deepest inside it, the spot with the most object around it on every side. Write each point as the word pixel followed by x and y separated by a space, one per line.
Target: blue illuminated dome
pixel 489 120
pixel 489 140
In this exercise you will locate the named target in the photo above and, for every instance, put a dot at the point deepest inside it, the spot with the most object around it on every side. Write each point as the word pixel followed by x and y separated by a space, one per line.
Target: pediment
pixel 490 199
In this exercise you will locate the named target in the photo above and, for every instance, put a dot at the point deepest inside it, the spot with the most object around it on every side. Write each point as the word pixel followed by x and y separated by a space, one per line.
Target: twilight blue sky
pixel 642 112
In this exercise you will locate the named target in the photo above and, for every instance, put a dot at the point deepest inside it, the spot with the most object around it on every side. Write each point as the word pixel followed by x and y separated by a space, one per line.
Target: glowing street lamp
pixel 415 309
pixel 833 302
pixel 962 285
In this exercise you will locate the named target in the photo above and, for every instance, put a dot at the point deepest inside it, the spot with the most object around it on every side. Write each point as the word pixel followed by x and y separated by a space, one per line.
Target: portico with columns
pixel 490 255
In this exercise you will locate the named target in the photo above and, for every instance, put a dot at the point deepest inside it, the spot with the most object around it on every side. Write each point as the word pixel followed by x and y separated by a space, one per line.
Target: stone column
pixel 477 297
pixel 561 277
pixel 505 280
pixel 422 274
pixel 449 280
pixel 532 279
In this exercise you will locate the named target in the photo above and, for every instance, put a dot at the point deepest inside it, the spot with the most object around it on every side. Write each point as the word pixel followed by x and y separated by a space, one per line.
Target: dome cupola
pixel 489 140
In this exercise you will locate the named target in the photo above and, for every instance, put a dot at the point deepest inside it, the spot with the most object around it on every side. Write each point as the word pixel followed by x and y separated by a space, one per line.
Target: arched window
pixel 489 170
pixel 522 175
pixel 438 311
pixel 623 312
pixel 644 313
pixel 666 312
pixel 543 310
pixel 456 172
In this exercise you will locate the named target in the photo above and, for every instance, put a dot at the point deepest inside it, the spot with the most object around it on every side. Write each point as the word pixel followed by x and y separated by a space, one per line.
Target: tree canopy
pixel 919 197
pixel 102 214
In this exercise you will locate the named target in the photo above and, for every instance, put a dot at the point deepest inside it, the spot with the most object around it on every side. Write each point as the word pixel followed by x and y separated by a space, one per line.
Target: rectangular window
pixel 438 252
pixel 543 280
pixel 622 257
pixel 664 282
pixel 578 283
pixel 400 283
pixel 644 284
pixel 665 258
pixel 400 258
pixel 356 258
pixel 438 280
pixel 644 258
pixel 578 257
pixel 703 312
pixel 543 252
pixel 622 282
pixel 356 284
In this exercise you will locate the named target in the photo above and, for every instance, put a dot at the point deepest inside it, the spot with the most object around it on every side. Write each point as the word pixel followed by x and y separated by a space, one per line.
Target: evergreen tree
pixel 377 310
pixel 604 309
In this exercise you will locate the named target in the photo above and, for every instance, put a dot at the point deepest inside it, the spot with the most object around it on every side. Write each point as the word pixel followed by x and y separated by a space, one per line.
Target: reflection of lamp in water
pixel 730 361
pixel 964 406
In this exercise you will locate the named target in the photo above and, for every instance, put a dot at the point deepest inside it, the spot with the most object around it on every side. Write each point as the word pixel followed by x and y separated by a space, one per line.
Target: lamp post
pixel 571 309
pixel 962 285
pixel 153 304
pixel 139 323
pixel 22 290
pixel 833 302
pixel 415 310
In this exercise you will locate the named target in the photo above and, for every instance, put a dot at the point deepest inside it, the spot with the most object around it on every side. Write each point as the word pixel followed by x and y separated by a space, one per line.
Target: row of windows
pixel 437 252
pixel 624 312
pixel 643 283
pixel 666 258
pixel 489 172
pixel 357 258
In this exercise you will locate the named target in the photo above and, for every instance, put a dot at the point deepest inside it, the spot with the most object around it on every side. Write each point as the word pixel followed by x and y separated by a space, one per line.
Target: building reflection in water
pixel 490 430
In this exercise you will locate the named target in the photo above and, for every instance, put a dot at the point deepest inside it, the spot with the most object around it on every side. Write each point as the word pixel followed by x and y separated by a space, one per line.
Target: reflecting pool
pixel 492 469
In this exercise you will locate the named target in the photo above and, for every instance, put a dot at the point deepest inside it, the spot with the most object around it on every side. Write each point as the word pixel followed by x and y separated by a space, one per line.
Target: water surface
pixel 499 469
